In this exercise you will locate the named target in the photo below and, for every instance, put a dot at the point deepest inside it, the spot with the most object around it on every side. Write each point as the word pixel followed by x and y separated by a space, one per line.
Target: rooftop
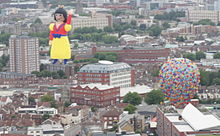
pixel 198 120
pixel 140 89
pixel 99 86
pixel 105 67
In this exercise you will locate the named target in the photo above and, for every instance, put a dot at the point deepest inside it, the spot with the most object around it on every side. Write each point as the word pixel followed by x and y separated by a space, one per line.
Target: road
pixel 73 130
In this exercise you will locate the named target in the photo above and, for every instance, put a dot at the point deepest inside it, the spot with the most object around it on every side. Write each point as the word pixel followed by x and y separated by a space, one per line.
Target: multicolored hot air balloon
pixel 179 80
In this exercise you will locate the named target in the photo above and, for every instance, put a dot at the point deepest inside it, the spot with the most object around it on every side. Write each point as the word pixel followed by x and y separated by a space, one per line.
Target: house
pixel 4 101
pixel 111 118
pixel 130 123
pixel 69 118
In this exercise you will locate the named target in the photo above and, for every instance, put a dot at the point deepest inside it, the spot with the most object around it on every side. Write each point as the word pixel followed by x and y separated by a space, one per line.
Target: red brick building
pixel 141 55
pixel 95 95
pixel 107 73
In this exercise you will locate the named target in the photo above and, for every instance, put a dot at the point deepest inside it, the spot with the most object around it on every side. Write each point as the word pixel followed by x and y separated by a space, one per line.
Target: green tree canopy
pixel 154 97
pixel 4 38
pixel 216 81
pixel 216 55
pixel 111 56
pixel 204 78
pixel 154 30
pixel 3 61
pixel 155 73
pixel 45 117
pixel 130 108
pixel 47 98
pixel 108 29
pixel 180 39
pixel 200 55
pixel 132 98
pixel 38 21
pixel 190 56
pixel 166 25
pixel 205 22
pixel 31 100
pixel 173 15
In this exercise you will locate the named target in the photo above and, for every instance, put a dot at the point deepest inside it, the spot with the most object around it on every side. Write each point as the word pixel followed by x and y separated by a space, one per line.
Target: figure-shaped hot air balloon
pixel 179 80
pixel 60 46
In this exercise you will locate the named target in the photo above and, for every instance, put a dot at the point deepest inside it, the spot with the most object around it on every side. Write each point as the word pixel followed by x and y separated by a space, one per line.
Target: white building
pixel 106 72
pixel 37 110
pixel 46 130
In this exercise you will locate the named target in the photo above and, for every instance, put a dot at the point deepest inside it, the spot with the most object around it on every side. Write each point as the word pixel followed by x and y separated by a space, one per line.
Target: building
pixel 24 54
pixel 107 73
pixel 36 110
pixel 67 69
pixel 190 122
pixel 196 15
pixel 95 95
pixel 111 118
pixel 46 130
pixel 95 20
pixel 138 55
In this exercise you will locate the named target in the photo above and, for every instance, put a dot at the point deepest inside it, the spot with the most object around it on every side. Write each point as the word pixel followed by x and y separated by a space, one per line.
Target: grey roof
pixel 105 67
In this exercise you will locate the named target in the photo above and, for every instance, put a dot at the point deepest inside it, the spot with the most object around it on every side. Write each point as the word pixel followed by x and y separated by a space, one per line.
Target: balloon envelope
pixel 179 80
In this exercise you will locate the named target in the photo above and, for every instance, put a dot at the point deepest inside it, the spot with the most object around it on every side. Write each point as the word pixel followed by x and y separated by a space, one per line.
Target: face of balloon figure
pixel 59 18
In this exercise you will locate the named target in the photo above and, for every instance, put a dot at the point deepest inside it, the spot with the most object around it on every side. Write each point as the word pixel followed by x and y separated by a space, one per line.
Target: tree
pixel 94 109
pixel 55 75
pixel 42 67
pixel 134 23
pixel 205 22
pixel 200 55
pixel 216 81
pixel 45 73
pixel 154 30
pixel 154 97
pixel 190 56
pixel 67 104
pixel 38 21
pixel 31 100
pixel 4 38
pixel 108 29
pixel 53 104
pixel 45 117
pixel 130 108
pixel 173 15
pixel 37 73
pixel 47 98
pixel 61 73
pixel 132 98
pixel 180 39
pixel 155 73
pixel 204 78
pixel 111 56
pixel 109 39
pixel 166 25
pixel 216 55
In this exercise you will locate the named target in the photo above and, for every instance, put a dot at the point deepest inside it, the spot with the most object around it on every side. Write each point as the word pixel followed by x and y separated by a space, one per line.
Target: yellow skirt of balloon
pixel 60 48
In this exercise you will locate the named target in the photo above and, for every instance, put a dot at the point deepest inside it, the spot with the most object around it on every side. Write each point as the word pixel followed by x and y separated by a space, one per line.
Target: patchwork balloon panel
pixel 179 80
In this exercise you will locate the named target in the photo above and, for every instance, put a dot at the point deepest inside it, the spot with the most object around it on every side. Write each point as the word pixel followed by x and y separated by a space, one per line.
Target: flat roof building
pixel 115 74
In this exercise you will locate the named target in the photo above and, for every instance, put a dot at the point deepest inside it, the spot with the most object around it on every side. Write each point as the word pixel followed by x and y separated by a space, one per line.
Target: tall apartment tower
pixel 24 54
